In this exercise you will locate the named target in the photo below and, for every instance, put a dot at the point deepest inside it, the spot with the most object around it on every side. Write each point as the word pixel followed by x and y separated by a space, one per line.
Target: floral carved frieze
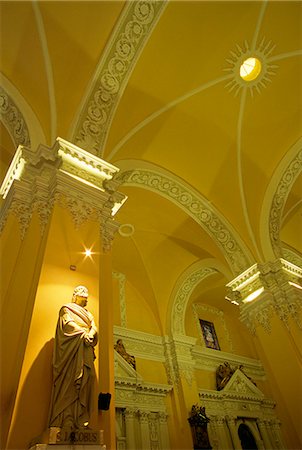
pixel 195 206
pixel 288 178
pixel 13 120
pixel 182 296
pixel 134 28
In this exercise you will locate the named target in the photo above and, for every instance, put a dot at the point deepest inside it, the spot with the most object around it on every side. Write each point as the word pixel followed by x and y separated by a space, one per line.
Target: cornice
pixel 210 359
pixel 142 345
pixel 65 175
pixel 130 35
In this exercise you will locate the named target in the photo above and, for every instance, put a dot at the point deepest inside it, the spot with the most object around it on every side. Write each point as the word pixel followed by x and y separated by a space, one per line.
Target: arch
pixel 246 437
pixel 183 289
pixel 275 198
pixel 21 122
pixel 106 88
pixel 151 177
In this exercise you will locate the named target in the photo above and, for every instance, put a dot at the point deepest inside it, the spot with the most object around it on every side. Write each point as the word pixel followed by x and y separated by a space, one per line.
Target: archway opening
pixel 246 438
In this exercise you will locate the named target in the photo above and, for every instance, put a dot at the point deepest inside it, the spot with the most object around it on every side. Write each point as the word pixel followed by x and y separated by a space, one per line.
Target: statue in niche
pixel 73 364
pixel 120 348
pixel 198 421
pixel 223 374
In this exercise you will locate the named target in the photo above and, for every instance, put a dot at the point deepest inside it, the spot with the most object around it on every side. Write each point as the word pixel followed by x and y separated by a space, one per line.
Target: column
pixel 163 430
pixel 106 348
pixel 223 434
pixel 40 184
pixel 180 373
pixel 231 421
pixel 276 432
pixel 130 416
pixel 264 434
pixel 144 429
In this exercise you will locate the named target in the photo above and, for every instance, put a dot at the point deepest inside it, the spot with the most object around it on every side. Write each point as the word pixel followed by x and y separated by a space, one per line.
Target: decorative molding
pixel 182 297
pixel 276 194
pixel 268 289
pixel 240 397
pixel 199 309
pixel 239 55
pixel 113 72
pixel 210 359
pixel 292 256
pixel 35 131
pixel 45 179
pixel 284 186
pixel 179 361
pixel 13 120
pixel 140 344
pixel 197 207
pixel 122 296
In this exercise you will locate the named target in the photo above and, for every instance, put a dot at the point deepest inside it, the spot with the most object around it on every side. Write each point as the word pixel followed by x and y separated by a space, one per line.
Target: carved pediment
pixel 124 370
pixel 240 384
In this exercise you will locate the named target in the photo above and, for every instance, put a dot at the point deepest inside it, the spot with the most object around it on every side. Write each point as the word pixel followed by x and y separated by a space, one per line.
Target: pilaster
pixel 130 414
pixel 64 176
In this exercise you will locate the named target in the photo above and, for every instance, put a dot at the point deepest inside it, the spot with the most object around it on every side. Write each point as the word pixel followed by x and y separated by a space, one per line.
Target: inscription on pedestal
pixel 81 436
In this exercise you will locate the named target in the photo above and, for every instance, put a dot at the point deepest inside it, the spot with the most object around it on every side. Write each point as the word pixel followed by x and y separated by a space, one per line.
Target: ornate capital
pixel 267 289
pixel 64 174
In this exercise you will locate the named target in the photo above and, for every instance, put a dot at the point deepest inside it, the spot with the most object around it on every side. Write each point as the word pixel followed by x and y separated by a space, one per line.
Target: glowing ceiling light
pixel 88 252
pixel 250 69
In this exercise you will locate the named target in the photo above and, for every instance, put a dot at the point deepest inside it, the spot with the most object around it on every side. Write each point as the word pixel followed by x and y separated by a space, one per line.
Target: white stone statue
pixel 73 364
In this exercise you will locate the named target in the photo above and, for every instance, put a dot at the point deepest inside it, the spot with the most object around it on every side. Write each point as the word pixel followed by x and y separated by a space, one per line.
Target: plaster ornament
pixel 13 120
pixel 132 31
pixel 196 207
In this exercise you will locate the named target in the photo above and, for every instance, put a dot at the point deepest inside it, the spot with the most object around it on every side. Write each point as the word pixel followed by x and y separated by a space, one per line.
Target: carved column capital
pixel 267 289
pixel 63 174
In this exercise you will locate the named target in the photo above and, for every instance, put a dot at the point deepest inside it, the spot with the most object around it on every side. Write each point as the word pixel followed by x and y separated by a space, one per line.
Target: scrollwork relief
pixel 197 207
pixel 124 48
pixel 288 178
pixel 182 296
pixel 13 120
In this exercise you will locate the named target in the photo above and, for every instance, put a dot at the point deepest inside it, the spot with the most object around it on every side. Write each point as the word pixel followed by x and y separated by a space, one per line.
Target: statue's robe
pixel 73 368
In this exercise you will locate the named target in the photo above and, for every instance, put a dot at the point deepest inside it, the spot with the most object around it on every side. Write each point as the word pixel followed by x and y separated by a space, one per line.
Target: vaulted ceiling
pixel 211 164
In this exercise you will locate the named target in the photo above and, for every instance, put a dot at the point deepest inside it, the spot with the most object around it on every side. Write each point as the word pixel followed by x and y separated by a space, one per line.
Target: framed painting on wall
pixel 209 334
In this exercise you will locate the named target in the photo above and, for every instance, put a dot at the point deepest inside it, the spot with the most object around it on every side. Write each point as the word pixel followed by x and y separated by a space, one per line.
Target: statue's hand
pixel 88 339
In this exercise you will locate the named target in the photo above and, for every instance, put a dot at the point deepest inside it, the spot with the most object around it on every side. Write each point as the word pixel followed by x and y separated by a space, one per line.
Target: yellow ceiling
pixel 174 110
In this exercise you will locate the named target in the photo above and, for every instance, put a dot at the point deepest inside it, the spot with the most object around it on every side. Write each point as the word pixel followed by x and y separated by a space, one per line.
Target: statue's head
pixel 80 295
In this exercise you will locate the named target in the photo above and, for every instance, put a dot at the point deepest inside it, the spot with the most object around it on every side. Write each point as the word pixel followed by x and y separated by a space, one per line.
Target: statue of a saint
pixel 73 364
pixel 120 348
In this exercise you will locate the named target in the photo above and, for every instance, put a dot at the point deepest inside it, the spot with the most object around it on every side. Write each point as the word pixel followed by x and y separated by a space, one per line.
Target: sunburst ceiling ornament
pixel 251 68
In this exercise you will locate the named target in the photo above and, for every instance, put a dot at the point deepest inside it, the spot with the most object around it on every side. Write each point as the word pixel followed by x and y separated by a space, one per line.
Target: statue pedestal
pixel 55 438
pixel 67 447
